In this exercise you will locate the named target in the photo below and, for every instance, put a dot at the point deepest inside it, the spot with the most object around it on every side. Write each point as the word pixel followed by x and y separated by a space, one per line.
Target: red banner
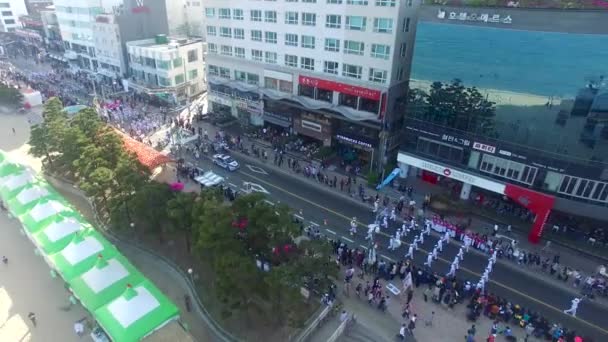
pixel 340 87
pixel 538 203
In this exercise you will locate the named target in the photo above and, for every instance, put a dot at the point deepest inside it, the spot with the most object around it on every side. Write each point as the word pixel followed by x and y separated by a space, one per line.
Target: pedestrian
pixel 412 325
pixel 32 317
pixel 410 294
pixel 401 335
pixel 427 293
pixel 573 307
pixel 343 316
pixel 14 130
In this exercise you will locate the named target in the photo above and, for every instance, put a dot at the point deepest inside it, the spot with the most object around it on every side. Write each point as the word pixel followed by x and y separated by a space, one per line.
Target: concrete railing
pixel 312 326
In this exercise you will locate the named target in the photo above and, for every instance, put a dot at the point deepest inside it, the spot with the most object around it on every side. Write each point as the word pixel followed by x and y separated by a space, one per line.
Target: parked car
pixel 225 161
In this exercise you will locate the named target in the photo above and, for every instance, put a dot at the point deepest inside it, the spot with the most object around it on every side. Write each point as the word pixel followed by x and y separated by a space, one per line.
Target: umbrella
pixel 29 196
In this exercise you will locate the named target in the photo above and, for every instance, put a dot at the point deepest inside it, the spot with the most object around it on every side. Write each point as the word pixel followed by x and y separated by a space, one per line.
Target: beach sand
pixel 25 283
pixel 500 97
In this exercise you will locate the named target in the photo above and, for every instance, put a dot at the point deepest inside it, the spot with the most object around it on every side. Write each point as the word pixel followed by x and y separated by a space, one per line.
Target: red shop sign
pixel 538 203
pixel 340 87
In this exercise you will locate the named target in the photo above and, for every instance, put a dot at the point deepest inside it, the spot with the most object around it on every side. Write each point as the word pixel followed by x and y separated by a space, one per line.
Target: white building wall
pixel 10 11
pixel 108 46
pixel 176 14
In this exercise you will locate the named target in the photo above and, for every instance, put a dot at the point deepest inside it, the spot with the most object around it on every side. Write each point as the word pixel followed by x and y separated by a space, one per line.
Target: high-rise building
pixel 512 101
pixel 10 11
pixel 330 71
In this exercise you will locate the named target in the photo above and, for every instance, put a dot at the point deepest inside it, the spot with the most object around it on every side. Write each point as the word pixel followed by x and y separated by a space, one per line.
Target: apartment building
pixel 331 71
pixel 10 11
pixel 172 68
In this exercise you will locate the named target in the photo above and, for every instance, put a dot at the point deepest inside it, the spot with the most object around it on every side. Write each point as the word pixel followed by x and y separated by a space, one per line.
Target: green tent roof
pixel 138 312
pixel 59 233
pixel 105 281
pixel 45 212
pixel 80 255
pixel 12 183
pixel 29 196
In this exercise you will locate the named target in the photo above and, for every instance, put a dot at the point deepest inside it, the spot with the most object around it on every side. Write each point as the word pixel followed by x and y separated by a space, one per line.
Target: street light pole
pixel 190 271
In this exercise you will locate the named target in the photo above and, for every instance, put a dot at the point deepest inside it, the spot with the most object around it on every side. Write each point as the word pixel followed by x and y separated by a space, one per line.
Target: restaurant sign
pixel 340 87
pixel 475 17
pixel 354 141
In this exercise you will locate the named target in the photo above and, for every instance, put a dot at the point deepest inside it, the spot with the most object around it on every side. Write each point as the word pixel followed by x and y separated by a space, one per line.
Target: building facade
pixel 170 68
pixel 10 11
pixel 537 118
pixel 108 47
pixel 332 72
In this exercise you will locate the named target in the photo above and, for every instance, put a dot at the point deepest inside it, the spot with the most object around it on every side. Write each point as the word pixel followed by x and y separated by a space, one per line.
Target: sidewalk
pixel 374 325
pixel 568 257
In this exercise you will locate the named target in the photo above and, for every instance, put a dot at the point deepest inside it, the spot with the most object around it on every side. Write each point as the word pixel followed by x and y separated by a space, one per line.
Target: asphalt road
pixel 322 206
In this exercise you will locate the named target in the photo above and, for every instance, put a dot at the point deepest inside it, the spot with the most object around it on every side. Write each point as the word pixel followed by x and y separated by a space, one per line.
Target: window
pixel 333 21
pixel 226 50
pixel 240 76
pixel 508 169
pixel 291 18
pixel 349 70
pixel 7 13
pixel 332 44
pixel 291 60
pixel 403 49
pixel 308 42
pixel 255 15
pixel 270 37
pixel 179 79
pixel 209 12
pixel 307 91
pixel 177 62
pixel 310 1
pixel 239 33
pixel 270 16
pixel 226 32
pixel 330 67
pixel 385 3
pixel 381 51
pixel 353 48
pixel 224 13
pixel 399 74
pixel 291 39
pixel 383 25
pixel 237 14
pixel 439 150
pixel 357 2
pixel 224 72
pixel 307 63
pixel 337 2
pixel 280 85
pixel 211 31
pixel 270 57
pixel 192 56
pixel 376 75
pixel 239 52
pixel 212 48
pixel 192 74
pixel 256 35
pixel 309 19
pixel 256 55
pixel 356 23
pixel 406 25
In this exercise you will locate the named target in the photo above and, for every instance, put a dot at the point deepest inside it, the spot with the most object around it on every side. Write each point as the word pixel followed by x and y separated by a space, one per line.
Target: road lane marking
pixel 347 239
pixel 233 185
pixel 330 231
pixel 256 169
pixel 313 223
pixel 504 286
pixel 387 257
pixel 363 247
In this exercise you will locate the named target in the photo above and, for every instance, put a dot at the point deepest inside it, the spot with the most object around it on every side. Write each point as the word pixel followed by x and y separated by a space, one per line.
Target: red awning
pixel 147 155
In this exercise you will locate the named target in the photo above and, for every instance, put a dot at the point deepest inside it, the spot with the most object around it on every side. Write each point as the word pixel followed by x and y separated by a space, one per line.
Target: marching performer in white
pixel 440 245
pixel 429 260
pixel 456 262
pixel 410 252
pixel 376 205
pixel 452 271
pixel 467 242
pixel 353 226
pixel 446 237
pixel 434 253
pixel 385 222
pixel 415 243
pixel 421 238
pixel 391 244
pixel 427 229
pixel 393 215
pixel 573 307
pixel 405 229
pixel 460 254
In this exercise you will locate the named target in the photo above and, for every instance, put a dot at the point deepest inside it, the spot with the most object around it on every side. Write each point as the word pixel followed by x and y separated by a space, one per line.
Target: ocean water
pixel 531 62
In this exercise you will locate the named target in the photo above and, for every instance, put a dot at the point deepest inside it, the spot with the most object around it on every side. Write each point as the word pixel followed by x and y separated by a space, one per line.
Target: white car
pixel 209 179
pixel 225 161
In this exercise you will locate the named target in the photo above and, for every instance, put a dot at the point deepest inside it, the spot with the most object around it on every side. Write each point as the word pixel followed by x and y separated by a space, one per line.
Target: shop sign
pixel 452 173
pixel 340 87
pixel 277 119
pixel 511 154
pixel 249 106
pixel 221 100
pixel 456 140
pixel 354 141
pixel 482 17
pixel 140 8
pixel 484 147
pixel 415 129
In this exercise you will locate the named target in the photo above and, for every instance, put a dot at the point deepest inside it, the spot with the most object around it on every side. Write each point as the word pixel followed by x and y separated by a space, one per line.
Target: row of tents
pixel 126 305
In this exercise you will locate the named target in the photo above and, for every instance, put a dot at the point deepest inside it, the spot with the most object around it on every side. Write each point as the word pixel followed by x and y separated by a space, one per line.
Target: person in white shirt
pixel 434 253
pixel 391 244
pixel 573 307
pixel 460 254
pixel 446 237
pixel 421 238
pixel 440 245
pixel 385 222
pixel 429 260
pixel 452 271
pixel 410 252
pixel 467 242
pixel 402 332
pixel 456 262
pixel 353 226
pixel 343 316
pixel 393 215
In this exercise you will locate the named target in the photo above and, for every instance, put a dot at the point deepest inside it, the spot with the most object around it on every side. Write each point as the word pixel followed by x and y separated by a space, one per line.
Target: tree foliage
pixel 10 96
pixel 453 105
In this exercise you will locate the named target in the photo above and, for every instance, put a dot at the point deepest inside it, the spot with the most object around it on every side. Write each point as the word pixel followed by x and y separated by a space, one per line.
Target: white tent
pixel 45 210
pixel 209 179
pixel 31 194
pixel 16 181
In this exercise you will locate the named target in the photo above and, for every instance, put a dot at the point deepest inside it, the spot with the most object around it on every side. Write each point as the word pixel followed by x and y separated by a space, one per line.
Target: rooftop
pixel 163 43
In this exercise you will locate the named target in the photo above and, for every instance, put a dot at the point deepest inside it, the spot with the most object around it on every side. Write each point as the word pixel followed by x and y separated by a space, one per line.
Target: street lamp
pixel 190 271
